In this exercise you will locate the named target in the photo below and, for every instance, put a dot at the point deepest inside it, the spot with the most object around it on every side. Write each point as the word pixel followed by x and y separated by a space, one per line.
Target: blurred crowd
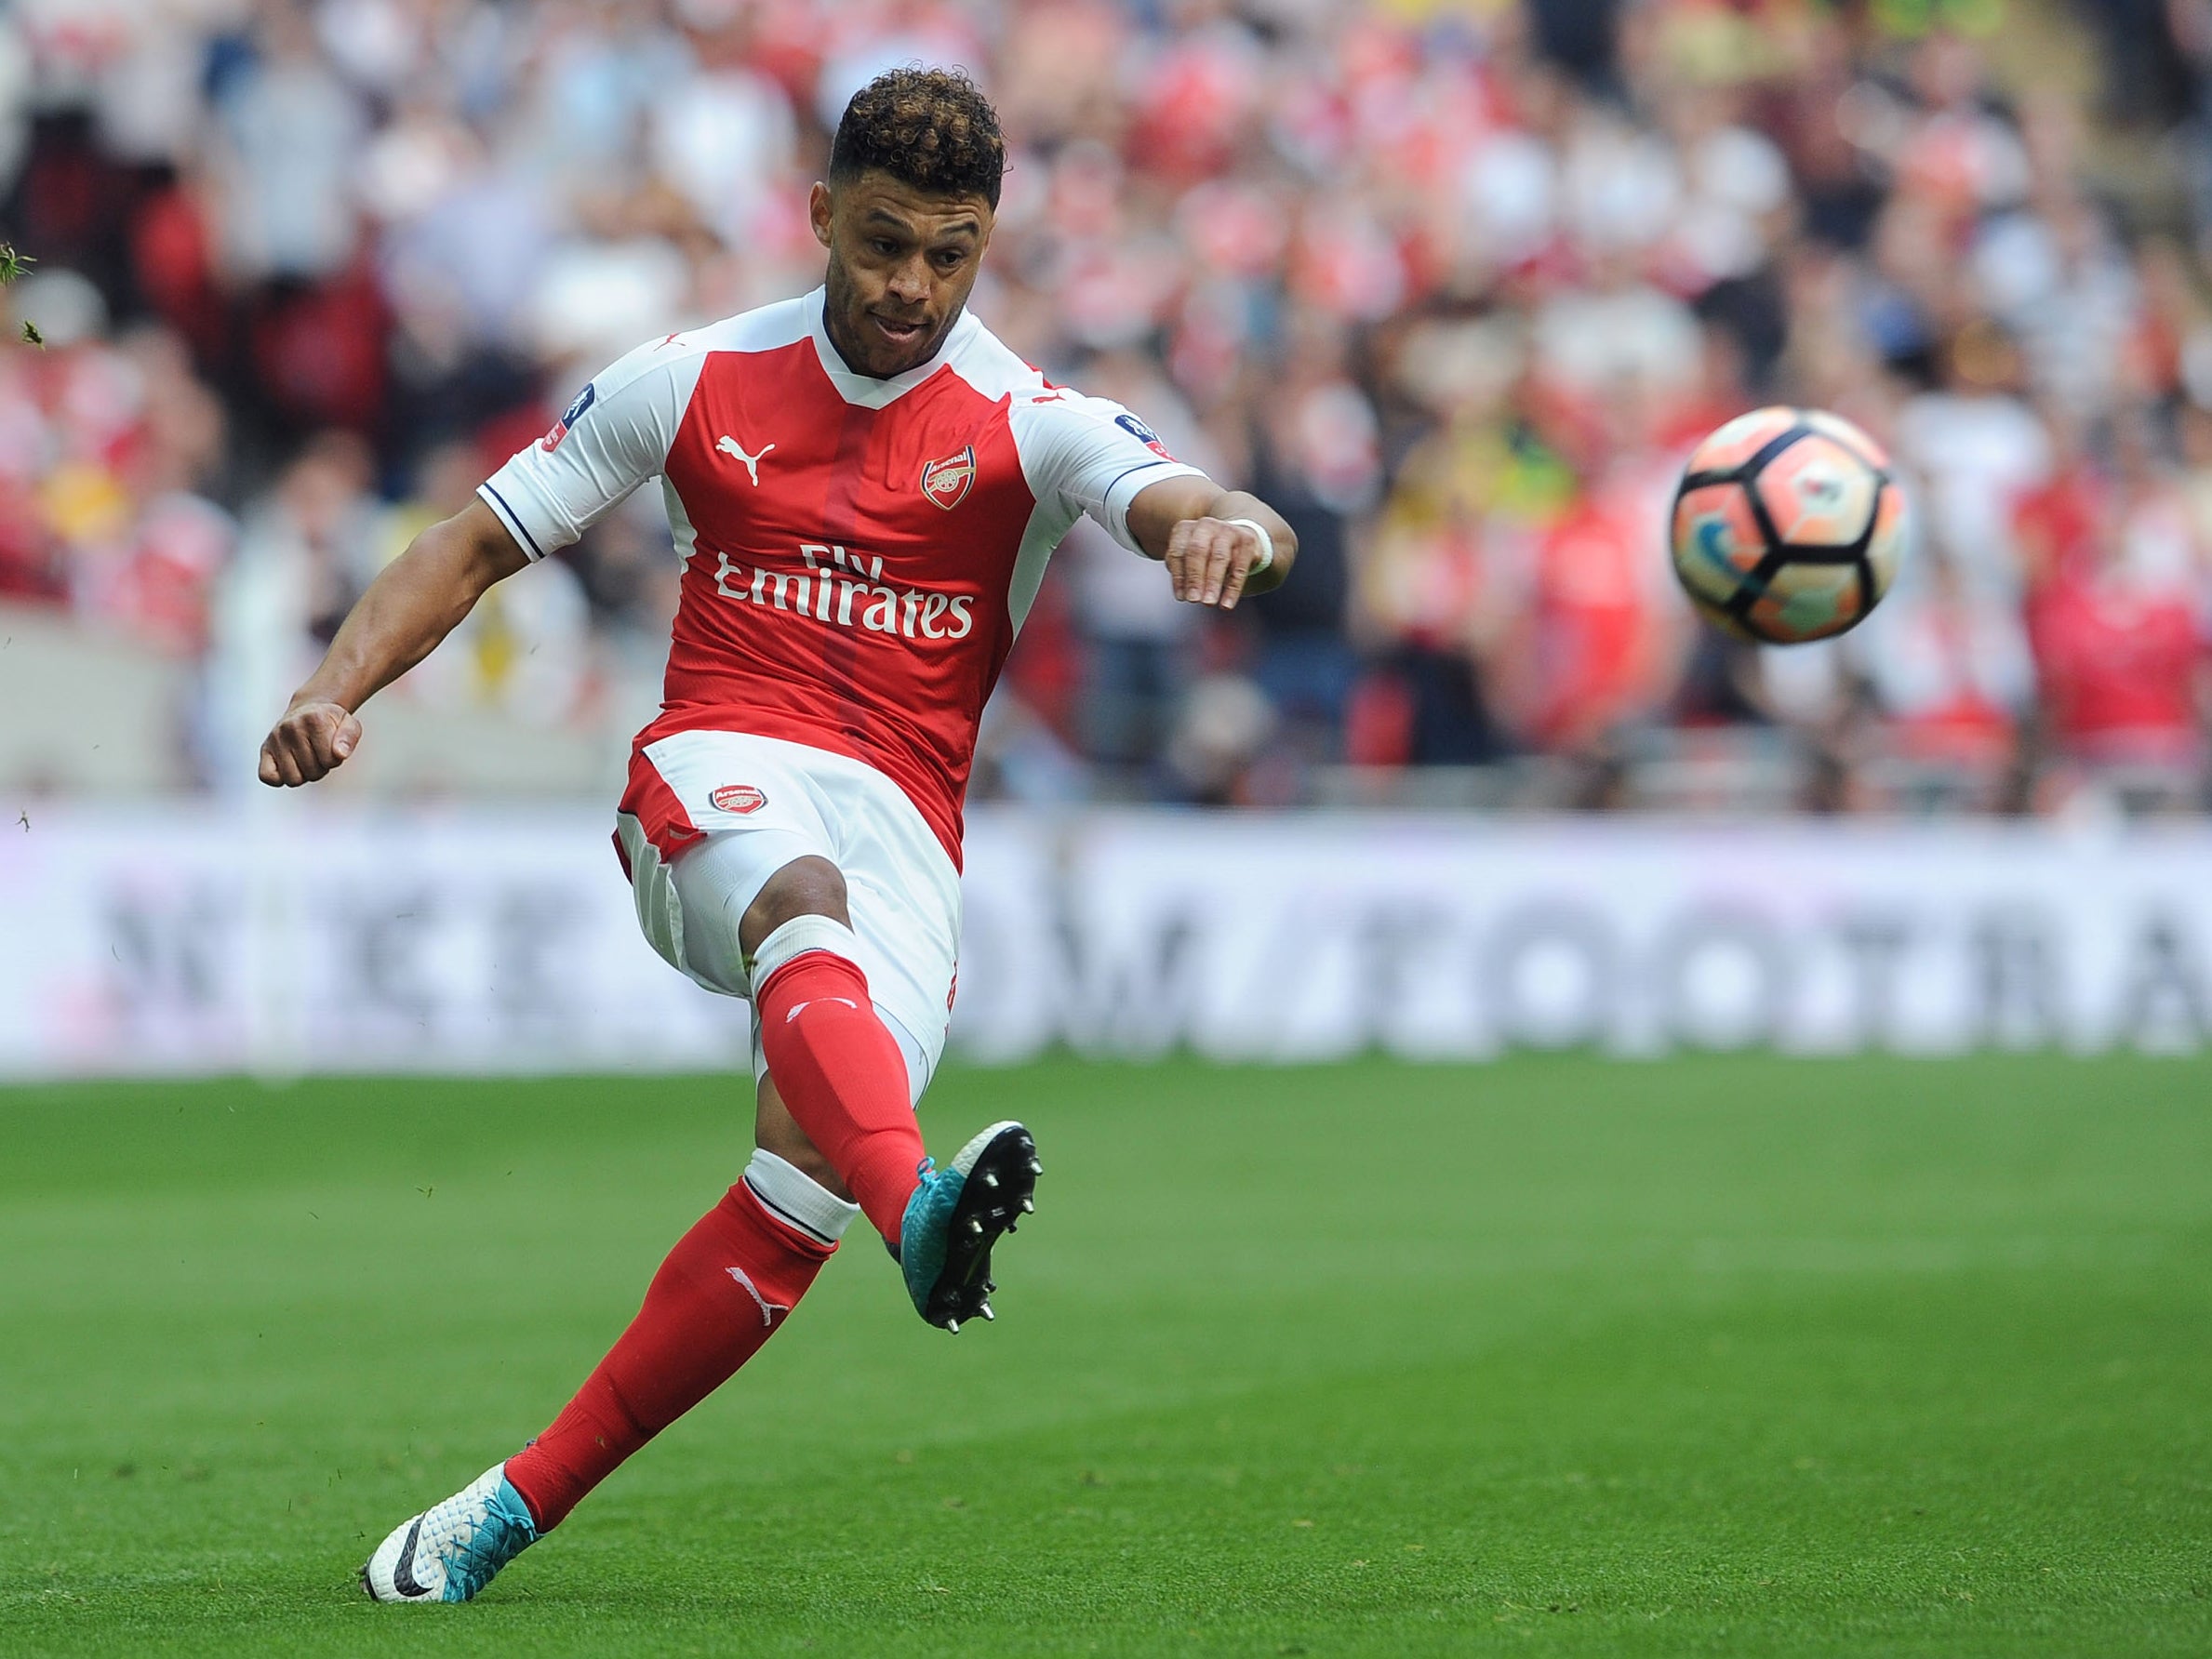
pixel 1456 285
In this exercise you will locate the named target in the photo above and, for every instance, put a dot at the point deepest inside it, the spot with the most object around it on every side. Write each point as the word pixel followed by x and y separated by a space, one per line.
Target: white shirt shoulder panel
pixel 1090 454
pixel 617 431
pixel 764 329
pixel 990 365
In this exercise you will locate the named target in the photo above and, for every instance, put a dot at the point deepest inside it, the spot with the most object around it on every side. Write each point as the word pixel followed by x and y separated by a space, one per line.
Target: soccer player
pixel 863 487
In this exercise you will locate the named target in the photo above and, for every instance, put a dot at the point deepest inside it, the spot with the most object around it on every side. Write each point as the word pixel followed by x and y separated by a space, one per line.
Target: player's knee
pixel 774 1130
pixel 803 887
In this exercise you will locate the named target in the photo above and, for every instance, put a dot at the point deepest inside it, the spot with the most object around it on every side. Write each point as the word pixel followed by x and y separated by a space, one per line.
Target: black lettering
pixel 1875 945
pixel 381 971
pixel 1134 995
pixel 1389 946
pixel 1704 936
pixel 1557 930
pixel 167 955
pixel 532 940
pixel 2164 1006
pixel 2016 988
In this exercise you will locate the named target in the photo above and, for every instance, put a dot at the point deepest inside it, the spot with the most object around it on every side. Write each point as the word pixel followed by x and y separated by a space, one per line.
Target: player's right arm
pixel 611 439
pixel 414 602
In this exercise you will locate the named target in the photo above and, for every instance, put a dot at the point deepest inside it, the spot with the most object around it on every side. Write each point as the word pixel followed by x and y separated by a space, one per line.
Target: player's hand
pixel 1208 560
pixel 310 742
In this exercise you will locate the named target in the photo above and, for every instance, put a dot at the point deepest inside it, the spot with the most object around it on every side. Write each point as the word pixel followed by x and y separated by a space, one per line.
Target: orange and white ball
pixel 1787 525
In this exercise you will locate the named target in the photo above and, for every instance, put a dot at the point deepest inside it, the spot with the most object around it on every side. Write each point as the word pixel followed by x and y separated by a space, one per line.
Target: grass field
pixel 1729 1356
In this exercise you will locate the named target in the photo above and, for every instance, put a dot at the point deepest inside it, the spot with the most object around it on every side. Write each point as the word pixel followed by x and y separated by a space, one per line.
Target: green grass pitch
pixel 1718 1355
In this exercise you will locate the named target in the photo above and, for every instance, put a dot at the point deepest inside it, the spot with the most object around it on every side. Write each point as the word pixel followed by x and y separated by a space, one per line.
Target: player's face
pixel 902 262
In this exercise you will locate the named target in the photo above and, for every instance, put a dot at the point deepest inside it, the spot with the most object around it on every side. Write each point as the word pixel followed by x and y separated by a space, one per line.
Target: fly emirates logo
pixel 848 591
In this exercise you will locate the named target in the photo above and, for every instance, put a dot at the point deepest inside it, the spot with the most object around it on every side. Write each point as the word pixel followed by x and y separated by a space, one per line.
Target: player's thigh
pixel 763 805
pixel 708 822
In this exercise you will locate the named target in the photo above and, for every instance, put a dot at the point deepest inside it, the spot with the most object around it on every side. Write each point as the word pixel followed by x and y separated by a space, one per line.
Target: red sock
pixel 842 1076
pixel 728 1286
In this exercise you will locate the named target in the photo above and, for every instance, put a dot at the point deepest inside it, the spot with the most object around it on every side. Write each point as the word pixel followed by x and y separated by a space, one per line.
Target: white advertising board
pixel 179 939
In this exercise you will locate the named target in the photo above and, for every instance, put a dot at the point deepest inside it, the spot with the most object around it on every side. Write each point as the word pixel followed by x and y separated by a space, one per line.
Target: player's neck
pixel 850 357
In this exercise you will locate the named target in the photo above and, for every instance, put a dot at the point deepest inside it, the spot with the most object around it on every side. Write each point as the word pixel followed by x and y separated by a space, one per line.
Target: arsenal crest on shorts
pixel 737 796
pixel 947 481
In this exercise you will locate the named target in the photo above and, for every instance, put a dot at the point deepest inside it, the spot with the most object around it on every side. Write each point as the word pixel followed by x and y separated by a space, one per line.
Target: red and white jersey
pixel 856 554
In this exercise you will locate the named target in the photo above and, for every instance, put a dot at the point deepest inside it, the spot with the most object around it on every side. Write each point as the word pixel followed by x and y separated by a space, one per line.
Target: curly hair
pixel 930 128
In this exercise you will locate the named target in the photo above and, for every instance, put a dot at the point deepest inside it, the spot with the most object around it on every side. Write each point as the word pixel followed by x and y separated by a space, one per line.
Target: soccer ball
pixel 1787 525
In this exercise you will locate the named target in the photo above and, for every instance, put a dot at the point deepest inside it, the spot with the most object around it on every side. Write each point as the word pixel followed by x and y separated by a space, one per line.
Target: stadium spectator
pixel 1457 284
pixel 2117 625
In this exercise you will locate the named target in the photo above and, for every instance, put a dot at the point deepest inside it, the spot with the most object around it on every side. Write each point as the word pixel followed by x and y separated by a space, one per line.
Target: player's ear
pixel 818 212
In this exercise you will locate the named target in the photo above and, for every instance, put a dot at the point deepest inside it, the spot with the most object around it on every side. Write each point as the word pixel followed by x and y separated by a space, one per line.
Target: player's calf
pixel 835 1064
pixel 957 1215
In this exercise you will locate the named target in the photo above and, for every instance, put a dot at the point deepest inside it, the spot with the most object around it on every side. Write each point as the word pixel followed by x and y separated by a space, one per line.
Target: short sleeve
pixel 1091 455
pixel 614 436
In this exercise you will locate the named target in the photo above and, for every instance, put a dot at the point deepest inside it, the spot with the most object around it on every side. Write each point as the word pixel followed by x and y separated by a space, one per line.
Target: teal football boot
pixel 957 1215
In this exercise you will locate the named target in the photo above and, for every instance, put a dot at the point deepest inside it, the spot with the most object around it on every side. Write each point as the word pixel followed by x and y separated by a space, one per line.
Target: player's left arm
pixel 1207 537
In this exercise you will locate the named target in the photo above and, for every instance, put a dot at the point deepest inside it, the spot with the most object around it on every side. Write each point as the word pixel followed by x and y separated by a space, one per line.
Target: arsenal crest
pixel 947 481
pixel 736 797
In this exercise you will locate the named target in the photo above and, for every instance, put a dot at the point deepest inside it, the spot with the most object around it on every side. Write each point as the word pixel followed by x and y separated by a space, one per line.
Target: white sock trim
pixel 795 938
pixel 796 1199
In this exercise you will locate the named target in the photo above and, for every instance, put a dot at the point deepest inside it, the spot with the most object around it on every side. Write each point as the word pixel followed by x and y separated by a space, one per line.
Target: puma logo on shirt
pixel 728 446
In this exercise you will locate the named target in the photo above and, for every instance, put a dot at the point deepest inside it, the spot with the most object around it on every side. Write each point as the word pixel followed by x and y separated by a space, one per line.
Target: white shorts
pixel 709 817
